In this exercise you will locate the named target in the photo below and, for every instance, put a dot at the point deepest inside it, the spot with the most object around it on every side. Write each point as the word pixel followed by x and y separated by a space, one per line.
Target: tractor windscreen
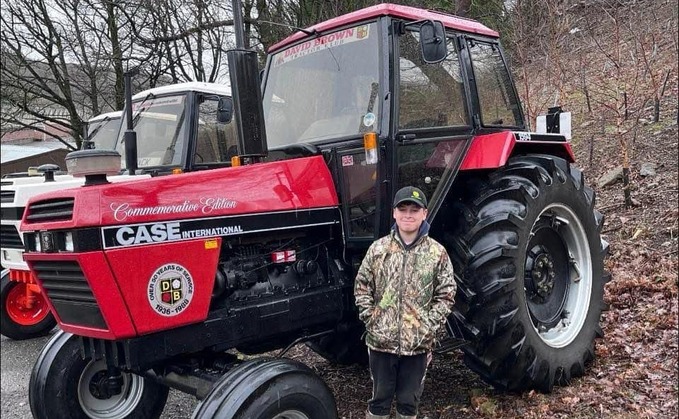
pixel 160 124
pixel 324 88
pixel 104 133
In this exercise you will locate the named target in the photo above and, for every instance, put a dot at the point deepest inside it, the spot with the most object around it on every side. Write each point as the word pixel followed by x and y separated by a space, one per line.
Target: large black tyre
pixel 59 387
pixel 344 346
pixel 17 320
pixel 531 288
pixel 268 389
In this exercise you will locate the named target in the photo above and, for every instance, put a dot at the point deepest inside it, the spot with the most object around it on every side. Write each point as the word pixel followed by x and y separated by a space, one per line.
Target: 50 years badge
pixel 170 289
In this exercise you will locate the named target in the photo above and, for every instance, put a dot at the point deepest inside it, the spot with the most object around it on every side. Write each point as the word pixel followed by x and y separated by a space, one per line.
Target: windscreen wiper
pixel 135 117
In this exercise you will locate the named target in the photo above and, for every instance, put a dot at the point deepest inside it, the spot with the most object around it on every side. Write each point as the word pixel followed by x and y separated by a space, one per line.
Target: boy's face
pixel 409 217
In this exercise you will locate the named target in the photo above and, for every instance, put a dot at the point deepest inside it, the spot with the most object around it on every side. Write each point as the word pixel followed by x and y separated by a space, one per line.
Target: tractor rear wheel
pixel 268 389
pixel 20 319
pixel 63 385
pixel 530 255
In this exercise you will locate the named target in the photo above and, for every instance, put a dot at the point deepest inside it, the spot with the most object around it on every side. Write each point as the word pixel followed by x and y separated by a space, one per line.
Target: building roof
pixel 35 133
pixel 12 152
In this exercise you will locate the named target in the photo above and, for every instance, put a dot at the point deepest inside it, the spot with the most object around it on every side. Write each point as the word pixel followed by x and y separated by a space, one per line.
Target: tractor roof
pixel 109 115
pixel 194 86
pixel 387 9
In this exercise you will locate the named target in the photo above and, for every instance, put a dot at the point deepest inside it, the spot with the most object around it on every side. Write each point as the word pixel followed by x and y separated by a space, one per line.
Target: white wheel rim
pixel 291 414
pixel 579 294
pixel 117 406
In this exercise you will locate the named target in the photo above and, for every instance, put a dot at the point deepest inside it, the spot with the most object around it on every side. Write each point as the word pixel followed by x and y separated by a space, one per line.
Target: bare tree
pixel 56 63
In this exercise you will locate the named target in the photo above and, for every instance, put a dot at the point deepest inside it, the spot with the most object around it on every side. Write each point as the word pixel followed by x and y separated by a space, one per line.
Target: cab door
pixel 432 122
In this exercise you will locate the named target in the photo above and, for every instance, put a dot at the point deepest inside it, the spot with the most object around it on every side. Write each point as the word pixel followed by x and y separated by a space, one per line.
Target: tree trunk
pixel 626 184
pixel 626 187
pixel 463 7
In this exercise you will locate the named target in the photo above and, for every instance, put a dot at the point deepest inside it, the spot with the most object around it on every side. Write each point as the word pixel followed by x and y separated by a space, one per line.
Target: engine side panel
pixel 166 285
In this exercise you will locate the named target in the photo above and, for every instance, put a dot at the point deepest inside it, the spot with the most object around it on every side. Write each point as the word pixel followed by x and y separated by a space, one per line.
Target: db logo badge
pixel 170 290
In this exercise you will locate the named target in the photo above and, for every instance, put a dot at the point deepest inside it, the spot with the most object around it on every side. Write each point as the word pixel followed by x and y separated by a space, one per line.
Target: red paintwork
pixel 491 151
pixel 384 9
pixel 306 182
pixel 139 264
pixel 25 306
pixel 21 276
pixel 104 287
pixel 119 278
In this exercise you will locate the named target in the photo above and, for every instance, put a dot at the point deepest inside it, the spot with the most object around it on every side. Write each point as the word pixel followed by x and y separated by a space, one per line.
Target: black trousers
pixel 400 376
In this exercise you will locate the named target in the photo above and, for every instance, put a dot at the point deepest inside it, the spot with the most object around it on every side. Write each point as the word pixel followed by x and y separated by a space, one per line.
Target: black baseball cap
pixel 410 194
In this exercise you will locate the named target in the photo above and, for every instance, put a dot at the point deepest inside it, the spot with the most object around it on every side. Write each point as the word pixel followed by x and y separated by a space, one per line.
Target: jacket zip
pixel 400 299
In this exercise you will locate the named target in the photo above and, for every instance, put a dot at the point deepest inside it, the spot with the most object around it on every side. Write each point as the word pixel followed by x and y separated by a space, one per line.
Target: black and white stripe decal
pixel 176 230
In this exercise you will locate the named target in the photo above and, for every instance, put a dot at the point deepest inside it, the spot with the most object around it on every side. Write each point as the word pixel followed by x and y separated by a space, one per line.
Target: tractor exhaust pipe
pixel 247 95
pixel 130 136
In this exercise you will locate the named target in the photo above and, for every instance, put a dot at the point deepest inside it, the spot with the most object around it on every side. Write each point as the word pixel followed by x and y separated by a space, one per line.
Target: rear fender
pixel 491 151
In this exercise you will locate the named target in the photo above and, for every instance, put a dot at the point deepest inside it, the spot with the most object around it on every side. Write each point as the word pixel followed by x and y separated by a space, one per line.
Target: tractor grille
pixel 51 210
pixel 6 197
pixel 9 237
pixel 69 293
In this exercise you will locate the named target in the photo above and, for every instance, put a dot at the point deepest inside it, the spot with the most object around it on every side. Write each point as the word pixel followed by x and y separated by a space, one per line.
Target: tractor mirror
pixel 224 110
pixel 433 42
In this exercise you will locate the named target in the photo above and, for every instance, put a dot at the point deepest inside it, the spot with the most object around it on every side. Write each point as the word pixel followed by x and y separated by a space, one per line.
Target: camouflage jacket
pixel 404 293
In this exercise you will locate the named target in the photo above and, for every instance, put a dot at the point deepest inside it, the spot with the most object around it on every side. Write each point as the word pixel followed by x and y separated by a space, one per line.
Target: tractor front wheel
pixel 24 313
pixel 531 288
pixel 63 385
pixel 269 389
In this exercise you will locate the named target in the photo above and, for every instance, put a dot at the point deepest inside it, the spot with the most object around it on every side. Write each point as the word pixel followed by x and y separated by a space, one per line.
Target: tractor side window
pixel 215 141
pixel 430 95
pixel 497 98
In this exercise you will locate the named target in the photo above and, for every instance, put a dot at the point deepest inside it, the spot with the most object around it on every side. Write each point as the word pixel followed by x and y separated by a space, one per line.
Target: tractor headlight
pixel 36 242
pixel 68 241
pixel 48 242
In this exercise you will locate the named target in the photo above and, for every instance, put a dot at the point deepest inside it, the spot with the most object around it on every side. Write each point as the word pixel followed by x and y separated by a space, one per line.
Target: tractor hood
pixel 295 184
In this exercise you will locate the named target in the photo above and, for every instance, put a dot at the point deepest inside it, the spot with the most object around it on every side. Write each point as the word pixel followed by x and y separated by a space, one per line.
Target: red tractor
pixel 156 283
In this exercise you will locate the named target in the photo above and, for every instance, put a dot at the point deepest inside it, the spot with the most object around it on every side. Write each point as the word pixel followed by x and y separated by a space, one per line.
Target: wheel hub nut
pixel 543 275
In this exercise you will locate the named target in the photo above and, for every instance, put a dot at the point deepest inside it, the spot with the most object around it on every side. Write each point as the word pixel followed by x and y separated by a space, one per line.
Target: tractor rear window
pixel 324 88
pixel 497 99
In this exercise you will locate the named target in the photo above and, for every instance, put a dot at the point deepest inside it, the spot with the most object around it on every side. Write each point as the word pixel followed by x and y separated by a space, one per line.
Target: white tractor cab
pixel 179 128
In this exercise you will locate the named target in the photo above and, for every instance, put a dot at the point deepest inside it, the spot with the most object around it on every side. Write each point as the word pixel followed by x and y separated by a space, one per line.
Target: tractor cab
pixel 181 128
pixel 392 96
